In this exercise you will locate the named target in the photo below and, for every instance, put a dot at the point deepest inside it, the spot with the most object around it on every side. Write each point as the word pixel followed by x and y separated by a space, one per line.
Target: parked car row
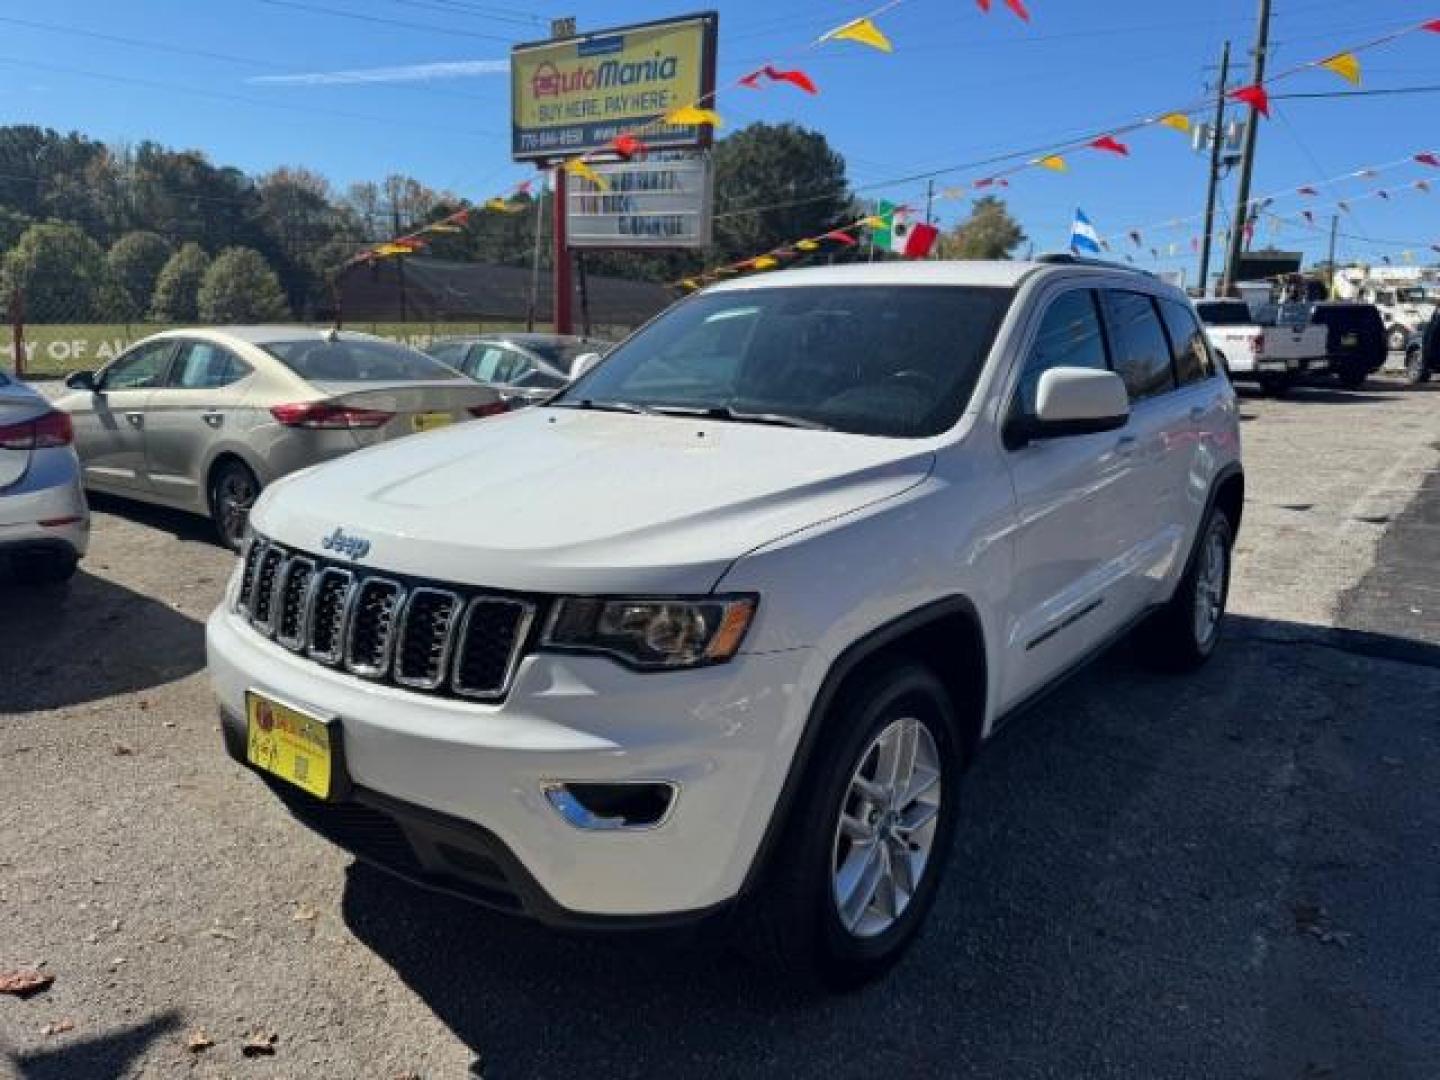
pixel 1277 346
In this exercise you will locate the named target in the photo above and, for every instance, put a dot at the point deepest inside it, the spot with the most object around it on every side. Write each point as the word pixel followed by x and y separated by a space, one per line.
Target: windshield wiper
pixel 725 412
pixel 605 406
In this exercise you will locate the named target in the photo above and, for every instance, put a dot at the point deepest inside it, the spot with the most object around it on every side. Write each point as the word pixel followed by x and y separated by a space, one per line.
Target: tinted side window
pixel 1187 341
pixel 203 366
pixel 1138 346
pixel 1070 336
pixel 140 368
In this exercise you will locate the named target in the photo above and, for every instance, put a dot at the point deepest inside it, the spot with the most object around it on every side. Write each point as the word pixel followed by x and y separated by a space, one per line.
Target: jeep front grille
pixel 420 635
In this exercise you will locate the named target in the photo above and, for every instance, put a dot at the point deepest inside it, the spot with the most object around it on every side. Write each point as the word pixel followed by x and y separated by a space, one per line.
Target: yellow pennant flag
pixel 1346 65
pixel 1053 162
pixel 862 30
pixel 690 283
pixel 808 245
pixel 577 167
pixel 876 222
pixel 764 262
pixel 1177 121
pixel 386 250
pixel 500 206
pixel 693 116
pixel 442 228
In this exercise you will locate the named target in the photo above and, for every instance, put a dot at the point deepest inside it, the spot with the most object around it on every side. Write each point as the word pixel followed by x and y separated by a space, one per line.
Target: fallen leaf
pixel 197 1042
pixel 58 1027
pixel 304 913
pixel 24 983
pixel 258 1043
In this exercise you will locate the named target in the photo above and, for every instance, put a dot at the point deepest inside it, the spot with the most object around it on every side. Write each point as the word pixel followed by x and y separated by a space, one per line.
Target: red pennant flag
pixel 1428 159
pixel 1018 8
pixel 840 236
pixel 753 79
pixel 461 217
pixel 1254 96
pixel 627 146
pixel 1433 26
pixel 1308 191
pixel 523 188
pixel 1111 145
pixel 794 78
pixel 987 182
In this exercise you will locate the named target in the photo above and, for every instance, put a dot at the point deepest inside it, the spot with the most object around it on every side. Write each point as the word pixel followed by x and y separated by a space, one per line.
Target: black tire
pixel 45 568
pixel 1170 640
pixel 233 491
pixel 1417 372
pixel 1353 376
pixel 793 922
pixel 1276 386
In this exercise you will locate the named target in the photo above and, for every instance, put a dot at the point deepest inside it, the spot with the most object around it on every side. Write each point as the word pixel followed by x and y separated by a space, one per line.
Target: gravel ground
pixel 1233 874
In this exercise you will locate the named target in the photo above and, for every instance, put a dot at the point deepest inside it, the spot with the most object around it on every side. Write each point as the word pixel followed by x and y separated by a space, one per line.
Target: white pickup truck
pixel 1264 348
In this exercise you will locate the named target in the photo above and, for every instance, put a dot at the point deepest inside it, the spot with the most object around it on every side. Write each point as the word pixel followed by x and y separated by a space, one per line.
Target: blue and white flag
pixel 1084 240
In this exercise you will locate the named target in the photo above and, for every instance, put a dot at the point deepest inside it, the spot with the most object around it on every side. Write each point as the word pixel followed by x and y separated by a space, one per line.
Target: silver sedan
pixel 524 367
pixel 44 522
pixel 202 420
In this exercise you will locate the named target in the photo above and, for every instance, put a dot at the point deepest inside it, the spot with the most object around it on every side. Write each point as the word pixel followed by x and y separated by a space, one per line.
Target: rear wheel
pixel 868 838
pixel 233 491
pixel 1182 635
pixel 1416 370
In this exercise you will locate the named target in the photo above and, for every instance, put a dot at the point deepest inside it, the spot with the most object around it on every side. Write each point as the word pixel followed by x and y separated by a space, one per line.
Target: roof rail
pixel 1067 258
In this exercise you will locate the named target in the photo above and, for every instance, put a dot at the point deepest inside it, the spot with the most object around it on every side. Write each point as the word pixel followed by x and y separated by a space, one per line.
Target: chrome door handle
pixel 135 419
pixel 214 417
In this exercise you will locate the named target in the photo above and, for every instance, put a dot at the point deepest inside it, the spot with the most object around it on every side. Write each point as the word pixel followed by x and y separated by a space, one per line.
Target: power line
pixel 448 31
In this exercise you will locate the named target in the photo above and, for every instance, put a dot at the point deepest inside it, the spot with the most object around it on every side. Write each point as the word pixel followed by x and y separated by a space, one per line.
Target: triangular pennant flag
pixel 1344 206
pixel 878 221
pixel 522 188
pixel 1307 190
pixel 1053 162
pixel 578 167
pixel 693 116
pixel 441 227
pixel 953 193
pixel 690 283
pixel 627 146
pixel 1346 65
pixel 774 74
pixel 1384 195
pixel 501 206
pixel 1254 96
pixel 764 262
pixel 1423 185
pixel 1435 247
pixel 840 236
pixel 752 80
pixel 861 30
pixel 1428 158
pixel 1308 215
pixel 807 245
pixel 1135 236
pixel 1367 174
pixel 386 250
pixel 1176 121
pixel 1111 145
pixel 1433 26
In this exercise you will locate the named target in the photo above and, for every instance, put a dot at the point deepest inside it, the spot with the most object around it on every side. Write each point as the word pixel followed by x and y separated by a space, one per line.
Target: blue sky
pixel 960 86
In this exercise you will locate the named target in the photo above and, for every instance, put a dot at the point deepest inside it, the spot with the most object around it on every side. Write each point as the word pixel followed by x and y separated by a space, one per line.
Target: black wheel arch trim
pixel 843 666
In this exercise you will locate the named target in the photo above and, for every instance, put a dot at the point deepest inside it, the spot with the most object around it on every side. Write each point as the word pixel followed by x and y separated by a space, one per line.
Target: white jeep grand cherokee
pixel 718 629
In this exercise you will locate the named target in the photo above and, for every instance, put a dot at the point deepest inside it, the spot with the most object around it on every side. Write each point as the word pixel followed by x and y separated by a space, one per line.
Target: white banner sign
pixel 661 202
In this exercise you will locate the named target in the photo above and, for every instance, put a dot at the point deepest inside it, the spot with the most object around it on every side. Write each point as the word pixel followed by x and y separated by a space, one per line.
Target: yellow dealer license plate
pixel 429 421
pixel 290 744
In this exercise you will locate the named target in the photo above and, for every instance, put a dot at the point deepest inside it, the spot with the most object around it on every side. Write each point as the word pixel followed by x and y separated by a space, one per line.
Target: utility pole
pixel 1334 231
pixel 1247 162
pixel 564 284
pixel 535 260
pixel 1217 138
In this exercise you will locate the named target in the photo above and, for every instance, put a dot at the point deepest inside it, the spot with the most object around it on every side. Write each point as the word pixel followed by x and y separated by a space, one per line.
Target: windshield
pixel 1412 296
pixel 896 360
pixel 357 360
pixel 1234 313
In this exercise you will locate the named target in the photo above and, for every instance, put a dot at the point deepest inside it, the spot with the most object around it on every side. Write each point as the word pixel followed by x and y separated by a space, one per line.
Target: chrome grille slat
pixel 370 626
pixel 427 632
pixel 420 635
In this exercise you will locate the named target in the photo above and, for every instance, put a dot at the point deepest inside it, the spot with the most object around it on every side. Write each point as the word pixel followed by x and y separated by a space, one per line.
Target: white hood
pixel 561 500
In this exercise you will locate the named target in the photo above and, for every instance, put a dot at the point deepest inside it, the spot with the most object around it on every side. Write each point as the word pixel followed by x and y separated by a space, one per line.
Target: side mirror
pixel 1074 401
pixel 583 363
pixel 82 380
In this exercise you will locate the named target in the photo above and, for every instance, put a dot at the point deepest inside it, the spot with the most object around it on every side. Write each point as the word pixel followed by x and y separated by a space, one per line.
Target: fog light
pixel 612 807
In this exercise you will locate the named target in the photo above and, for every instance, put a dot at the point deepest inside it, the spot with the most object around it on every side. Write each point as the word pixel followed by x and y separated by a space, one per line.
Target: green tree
pixel 59 269
pixel 240 287
pixel 777 183
pixel 13 224
pixel 134 263
pixel 988 233
pixel 177 289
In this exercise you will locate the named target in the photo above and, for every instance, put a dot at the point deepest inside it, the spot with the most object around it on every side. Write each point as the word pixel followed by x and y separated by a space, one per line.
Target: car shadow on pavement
pixel 1122 899
pixel 111 1054
pixel 190 528
pixel 88 640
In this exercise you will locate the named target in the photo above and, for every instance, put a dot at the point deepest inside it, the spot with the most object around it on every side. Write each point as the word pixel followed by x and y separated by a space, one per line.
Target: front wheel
pixel 870 833
pixel 1182 635
pixel 233 491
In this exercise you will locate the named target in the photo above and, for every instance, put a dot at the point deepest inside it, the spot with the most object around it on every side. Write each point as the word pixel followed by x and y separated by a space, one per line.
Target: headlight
pixel 653 633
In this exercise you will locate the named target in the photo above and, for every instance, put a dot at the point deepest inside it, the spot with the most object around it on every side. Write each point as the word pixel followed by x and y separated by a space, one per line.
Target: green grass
pixel 56 348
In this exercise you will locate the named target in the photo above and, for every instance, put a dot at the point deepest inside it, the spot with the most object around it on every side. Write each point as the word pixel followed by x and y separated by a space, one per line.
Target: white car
pixel 717 630
pixel 1272 352
pixel 44 521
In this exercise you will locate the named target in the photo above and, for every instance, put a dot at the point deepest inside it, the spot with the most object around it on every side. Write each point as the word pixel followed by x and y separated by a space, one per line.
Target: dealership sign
pixel 576 94
pixel 661 202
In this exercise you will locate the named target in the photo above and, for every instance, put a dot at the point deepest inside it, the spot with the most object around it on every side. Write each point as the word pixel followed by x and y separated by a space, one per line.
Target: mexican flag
pixel 900 232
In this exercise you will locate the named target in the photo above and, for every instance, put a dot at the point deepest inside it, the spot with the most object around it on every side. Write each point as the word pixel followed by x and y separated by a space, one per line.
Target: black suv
pixel 1356 346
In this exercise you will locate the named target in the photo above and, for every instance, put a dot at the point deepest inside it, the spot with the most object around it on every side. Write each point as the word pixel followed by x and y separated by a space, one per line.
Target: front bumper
pixel 450 793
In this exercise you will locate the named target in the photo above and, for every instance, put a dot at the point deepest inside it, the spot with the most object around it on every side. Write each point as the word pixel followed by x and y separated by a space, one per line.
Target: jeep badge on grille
pixel 354 547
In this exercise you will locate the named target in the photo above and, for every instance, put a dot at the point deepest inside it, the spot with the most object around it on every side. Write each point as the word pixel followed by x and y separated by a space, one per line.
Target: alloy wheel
pixel 235 495
pixel 1210 588
pixel 885 835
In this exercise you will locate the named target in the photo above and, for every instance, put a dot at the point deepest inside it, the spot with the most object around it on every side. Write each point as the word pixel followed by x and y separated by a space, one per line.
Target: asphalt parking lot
pixel 1228 875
